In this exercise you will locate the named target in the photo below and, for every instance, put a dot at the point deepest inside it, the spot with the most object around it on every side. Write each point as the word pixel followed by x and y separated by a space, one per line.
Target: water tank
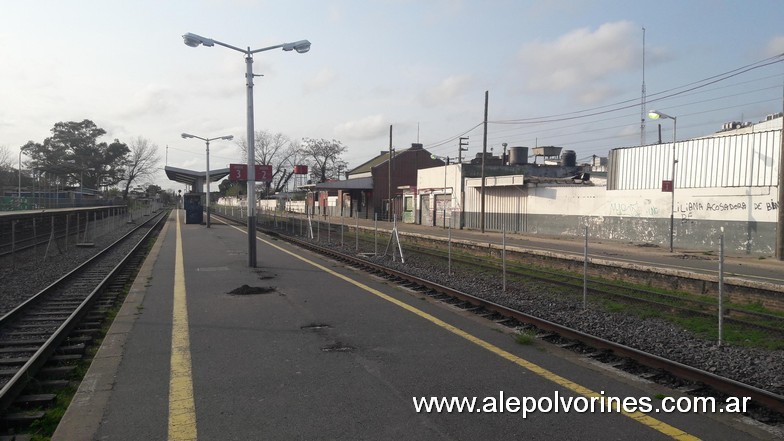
pixel 518 155
pixel 569 158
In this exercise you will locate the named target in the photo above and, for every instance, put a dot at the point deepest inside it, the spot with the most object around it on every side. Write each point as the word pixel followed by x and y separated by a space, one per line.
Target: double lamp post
pixel 207 177
pixel 301 47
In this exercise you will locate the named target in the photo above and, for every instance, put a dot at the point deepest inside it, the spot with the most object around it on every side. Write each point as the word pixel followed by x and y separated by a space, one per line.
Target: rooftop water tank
pixel 569 158
pixel 518 155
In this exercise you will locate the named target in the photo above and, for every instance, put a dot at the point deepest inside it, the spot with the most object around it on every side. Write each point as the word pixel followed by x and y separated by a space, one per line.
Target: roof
pixel 190 176
pixel 348 184
pixel 380 159
pixel 367 166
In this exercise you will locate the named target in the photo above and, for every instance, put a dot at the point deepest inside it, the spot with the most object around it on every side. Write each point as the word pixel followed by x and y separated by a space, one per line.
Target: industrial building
pixel 688 193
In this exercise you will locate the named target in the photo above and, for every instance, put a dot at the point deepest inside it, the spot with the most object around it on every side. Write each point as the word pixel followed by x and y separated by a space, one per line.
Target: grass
pixel 524 338
pixel 519 272
pixel 708 328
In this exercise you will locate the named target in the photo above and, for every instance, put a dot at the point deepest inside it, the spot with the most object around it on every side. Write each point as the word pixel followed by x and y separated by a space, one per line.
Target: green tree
pixel 153 190
pixel 229 188
pixel 73 155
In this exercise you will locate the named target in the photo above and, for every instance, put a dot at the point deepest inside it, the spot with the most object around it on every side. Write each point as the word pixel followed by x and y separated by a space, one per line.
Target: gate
pixel 442 211
pixel 424 210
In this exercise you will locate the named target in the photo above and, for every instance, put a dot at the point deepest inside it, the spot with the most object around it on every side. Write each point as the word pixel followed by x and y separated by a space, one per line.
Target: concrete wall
pixel 728 182
pixel 748 215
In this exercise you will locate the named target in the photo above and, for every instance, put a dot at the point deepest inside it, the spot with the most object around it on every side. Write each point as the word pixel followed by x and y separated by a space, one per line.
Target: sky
pixel 567 73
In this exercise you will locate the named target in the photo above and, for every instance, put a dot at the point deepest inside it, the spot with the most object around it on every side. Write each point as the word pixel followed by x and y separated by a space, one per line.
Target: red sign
pixel 239 172
pixel 300 169
pixel 667 186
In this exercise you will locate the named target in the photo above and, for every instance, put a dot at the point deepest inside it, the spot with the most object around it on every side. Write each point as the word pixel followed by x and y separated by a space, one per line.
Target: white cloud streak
pixel 449 89
pixel 582 59
pixel 368 127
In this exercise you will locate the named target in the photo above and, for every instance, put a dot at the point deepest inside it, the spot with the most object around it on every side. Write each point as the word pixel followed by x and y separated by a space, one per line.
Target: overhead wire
pixel 689 89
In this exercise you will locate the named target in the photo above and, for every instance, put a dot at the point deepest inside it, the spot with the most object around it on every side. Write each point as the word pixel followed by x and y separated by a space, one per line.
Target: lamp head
pixel 301 46
pixel 655 114
pixel 186 136
pixel 228 137
pixel 194 40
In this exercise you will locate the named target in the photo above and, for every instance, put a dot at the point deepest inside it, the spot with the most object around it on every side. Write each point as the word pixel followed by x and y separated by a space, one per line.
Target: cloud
pixel 365 128
pixel 153 100
pixel 775 46
pixel 323 78
pixel 582 57
pixel 447 90
pixel 597 93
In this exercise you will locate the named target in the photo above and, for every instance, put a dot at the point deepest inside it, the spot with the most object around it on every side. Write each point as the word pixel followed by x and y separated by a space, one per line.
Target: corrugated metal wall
pixel 748 160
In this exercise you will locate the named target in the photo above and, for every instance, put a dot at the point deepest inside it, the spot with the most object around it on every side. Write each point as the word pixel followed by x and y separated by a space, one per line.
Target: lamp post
pixel 19 184
pixel 653 114
pixel 207 140
pixel 301 47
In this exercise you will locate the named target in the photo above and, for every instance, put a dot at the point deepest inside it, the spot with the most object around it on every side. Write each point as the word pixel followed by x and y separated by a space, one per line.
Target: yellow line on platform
pixel 182 411
pixel 640 417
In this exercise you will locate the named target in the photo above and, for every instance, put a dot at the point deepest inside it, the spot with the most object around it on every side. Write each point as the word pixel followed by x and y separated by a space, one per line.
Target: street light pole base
pixel 252 241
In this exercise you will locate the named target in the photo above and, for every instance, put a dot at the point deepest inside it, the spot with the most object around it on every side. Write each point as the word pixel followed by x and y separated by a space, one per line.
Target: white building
pixel 727 181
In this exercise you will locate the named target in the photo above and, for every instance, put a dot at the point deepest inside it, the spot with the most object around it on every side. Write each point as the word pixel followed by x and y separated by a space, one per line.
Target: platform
pixel 307 349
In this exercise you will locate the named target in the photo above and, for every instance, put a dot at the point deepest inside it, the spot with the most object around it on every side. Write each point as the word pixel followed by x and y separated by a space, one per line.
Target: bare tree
pixel 142 162
pixel 276 150
pixel 323 157
pixel 7 160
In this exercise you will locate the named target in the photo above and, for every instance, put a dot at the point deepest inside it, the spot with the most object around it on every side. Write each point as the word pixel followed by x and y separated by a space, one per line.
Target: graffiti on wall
pixel 634 209
pixel 687 209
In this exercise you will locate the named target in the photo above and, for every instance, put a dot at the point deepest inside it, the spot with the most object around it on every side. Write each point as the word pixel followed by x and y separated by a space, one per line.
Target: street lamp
pixel 301 47
pixel 207 140
pixel 19 184
pixel 653 114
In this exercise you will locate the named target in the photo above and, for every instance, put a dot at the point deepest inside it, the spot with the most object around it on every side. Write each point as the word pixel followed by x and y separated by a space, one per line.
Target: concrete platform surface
pixel 308 349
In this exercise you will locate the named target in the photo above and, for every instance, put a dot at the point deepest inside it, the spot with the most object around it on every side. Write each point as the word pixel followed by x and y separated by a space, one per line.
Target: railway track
pixel 47 334
pixel 548 329
pixel 687 305
pixel 680 304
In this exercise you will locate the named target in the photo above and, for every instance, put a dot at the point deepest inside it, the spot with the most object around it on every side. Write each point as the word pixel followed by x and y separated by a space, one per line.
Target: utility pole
pixel 780 226
pixel 484 153
pixel 460 149
pixel 389 184
pixel 643 98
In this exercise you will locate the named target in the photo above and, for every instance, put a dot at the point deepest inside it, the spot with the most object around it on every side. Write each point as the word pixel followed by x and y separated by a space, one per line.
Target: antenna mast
pixel 642 99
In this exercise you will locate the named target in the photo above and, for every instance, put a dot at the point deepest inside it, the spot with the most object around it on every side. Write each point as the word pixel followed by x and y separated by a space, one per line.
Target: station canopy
pixel 192 177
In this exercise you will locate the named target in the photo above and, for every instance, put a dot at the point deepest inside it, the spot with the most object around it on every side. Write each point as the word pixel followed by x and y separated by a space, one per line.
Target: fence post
pixel 585 270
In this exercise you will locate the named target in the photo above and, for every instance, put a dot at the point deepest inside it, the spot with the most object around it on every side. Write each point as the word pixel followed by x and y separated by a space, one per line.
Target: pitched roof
pixel 367 166
pixel 380 159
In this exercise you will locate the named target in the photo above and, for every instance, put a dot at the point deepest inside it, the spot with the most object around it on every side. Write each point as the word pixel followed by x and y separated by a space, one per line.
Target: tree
pixel 276 150
pixel 8 172
pixel 153 190
pixel 73 155
pixel 323 158
pixel 7 160
pixel 142 162
pixel 229 188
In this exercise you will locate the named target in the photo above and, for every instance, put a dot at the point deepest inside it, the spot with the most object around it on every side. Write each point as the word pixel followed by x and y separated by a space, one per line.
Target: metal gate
pixel 443 202
pixel 425 211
